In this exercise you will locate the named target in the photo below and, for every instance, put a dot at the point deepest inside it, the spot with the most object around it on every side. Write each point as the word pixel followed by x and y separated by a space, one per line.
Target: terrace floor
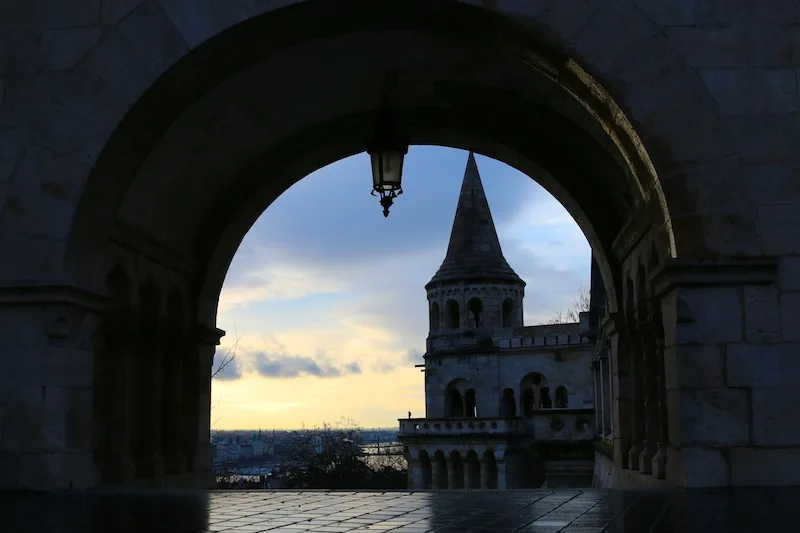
pixel 564 510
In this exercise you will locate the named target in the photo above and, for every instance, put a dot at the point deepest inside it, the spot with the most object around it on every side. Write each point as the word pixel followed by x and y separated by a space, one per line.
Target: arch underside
pixel 221 135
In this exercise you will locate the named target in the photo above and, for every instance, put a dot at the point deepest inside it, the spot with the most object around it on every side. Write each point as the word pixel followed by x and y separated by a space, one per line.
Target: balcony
pixel 544 425
pixel 459 427
pixel 560 425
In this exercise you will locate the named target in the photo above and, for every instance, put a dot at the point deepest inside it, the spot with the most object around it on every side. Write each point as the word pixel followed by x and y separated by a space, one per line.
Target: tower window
pixel 434 316
pixel 475 307
pixel 508 313
pixel 452 314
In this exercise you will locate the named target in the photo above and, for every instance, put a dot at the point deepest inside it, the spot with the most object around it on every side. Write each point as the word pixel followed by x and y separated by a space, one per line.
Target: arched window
pixel 508 313
pixel 470 409
pixel 532 387
pixel 456 405
pixel 508 404
pixel 475 306
pixel 434 316
pixel 454 395
pixel 452 314
pixel 561 397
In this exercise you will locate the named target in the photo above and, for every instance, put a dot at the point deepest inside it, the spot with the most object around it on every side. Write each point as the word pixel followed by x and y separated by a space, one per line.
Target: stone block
pixel 154 37
pixel 764 467
pixel 751 91
pixel 705 188
pixel 62 49
pixel 36 215
pixel 680 13
pixel 789 274
pixel 709 417
pixel 790 316
pixel 773 365
pixel 23 97
pixel 707 47
pixel 718 234
pixel 594 48
pixel 762 322
pixel 115 10
pixel 68 134
pixel 19 51
pixel 58 471
pixel 775 419
pixel 762 137
pixel 768 181
pixel 195 19
pixel 557 21
pixel 47 14
pixel 692 466
pixel 780 228
pixel 715 314
pixel 33 257
pixel 693 367
pixel 231 13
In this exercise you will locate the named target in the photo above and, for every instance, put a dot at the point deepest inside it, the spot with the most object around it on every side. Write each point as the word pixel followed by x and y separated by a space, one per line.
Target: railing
pixel 459 426
pixel 560 425
pixel 543 425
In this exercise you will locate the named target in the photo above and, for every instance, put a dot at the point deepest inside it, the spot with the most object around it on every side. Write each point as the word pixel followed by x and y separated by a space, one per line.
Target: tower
pixel 474 288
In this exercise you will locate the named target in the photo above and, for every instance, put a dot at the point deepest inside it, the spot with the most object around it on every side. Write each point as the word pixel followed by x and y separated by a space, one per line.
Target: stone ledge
pixel 208 334
pixel 736 271
pixel 52 295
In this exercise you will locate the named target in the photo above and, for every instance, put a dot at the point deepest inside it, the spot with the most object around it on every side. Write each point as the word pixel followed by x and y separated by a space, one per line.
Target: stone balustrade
pixel 560 425
pixel 459 426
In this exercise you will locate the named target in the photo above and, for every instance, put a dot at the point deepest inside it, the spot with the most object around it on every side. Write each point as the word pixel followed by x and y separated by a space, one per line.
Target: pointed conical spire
pixel 474 251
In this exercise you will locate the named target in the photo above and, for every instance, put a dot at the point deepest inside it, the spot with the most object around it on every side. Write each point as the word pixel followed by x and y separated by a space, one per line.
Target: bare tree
pixel 572 314
pixel 230 355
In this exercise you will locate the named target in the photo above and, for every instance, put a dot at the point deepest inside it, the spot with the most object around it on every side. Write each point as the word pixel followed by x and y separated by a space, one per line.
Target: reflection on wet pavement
pixel 542 511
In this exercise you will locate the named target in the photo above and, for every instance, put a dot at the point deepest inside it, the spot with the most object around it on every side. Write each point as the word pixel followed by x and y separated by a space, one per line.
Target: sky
pixel 324 302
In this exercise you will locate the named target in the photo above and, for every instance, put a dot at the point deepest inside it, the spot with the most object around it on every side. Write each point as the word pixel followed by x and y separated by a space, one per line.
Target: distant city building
pixel 506 406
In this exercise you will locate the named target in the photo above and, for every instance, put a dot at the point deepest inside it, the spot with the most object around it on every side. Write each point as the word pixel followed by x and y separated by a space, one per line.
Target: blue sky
pixel 327 296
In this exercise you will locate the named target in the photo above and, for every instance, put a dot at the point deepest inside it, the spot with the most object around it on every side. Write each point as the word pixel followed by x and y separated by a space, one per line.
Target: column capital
pixel 719 271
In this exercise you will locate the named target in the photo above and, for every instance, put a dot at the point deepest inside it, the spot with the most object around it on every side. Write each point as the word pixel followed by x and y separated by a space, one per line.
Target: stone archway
pixel 157 147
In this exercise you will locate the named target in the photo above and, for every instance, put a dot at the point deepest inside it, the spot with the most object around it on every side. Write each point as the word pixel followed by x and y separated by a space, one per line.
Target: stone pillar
pixel 439 474
pixel 454 476
pixel 177 345
pixel 660 459
pixel 637 400
pixel 207 341
pixel 650 393
pixel 731 375
pixel 598 396
pixel 501 474
pixel 415 475
pixel 46 398
pixel 621 387
pixel 601 412
pixel 122 350
pixel 149 460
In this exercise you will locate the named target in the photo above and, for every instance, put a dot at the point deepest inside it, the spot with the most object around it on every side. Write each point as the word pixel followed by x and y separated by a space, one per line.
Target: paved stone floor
pixel 567 511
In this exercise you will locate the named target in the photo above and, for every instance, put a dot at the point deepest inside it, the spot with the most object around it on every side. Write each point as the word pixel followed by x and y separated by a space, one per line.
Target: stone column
pixel 123 353
pixel 149 460
pixel 621 380
pixel 660 459
pixel 501 474
pixel 415 475
pixel 650 390
pixel 598 396
pixel 637 400
pixel 439 474
pixel 601 412
pixel 207 341
pixel 175 460
pixel 453 475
